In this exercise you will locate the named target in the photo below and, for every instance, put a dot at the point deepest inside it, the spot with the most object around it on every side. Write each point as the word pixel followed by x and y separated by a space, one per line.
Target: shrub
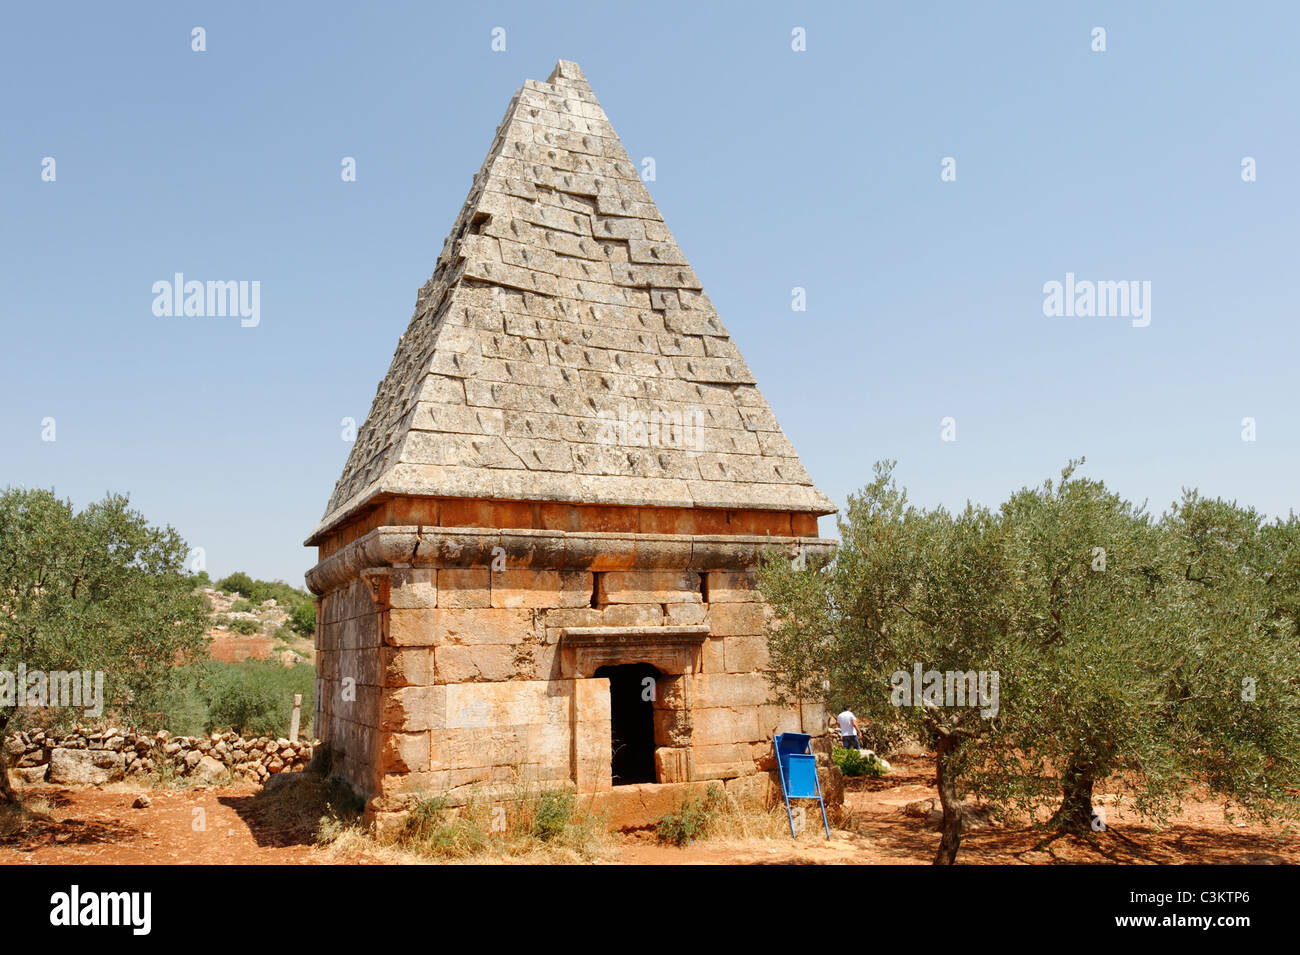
pixel 303 618
pixel 256 697
pixel 243 625
pixel 244 705
pixel 434 829
pixel 697 814
pixel 185 710
pixel 242 606
pixel 284 595
pixel 237 583
pixel 852 763
pixel 552 813
pixel 260 591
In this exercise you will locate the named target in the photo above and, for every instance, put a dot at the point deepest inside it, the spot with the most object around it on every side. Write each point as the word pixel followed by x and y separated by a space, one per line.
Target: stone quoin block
pixel 725 587
pixel 467 587
pixel 406 666
pixel 413 708
pixel 736 619
pixel 648 586
pixel 458 664
pixel 745 654
pixel 726 724
pixel 412 628
pixel 413 588
pixel 540 588
pixel 404 752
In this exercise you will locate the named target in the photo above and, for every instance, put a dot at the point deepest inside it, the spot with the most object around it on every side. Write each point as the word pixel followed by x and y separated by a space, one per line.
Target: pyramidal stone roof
pixel 564 350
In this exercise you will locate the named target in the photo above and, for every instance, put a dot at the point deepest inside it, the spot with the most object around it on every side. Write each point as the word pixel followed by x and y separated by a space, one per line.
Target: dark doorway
pixel 632 721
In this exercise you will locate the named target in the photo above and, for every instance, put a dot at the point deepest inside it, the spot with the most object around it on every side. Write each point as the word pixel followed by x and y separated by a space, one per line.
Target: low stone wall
pixel 94 757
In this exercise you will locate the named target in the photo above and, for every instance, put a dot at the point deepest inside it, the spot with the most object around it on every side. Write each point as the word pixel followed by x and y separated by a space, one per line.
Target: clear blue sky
pixel 775 169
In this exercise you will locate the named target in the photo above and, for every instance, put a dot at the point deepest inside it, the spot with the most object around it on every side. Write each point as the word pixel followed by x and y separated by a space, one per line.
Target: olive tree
pixel 1085 590
pixel 97 591
pixel 908 623
pixel 1235 678
pixel 1162 653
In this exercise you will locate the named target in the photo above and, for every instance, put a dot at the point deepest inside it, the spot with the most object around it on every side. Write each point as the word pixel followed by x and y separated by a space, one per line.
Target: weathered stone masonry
pixel 490 546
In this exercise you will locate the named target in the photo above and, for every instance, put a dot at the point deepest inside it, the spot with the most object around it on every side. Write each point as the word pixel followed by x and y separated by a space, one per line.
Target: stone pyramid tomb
pixel 557 501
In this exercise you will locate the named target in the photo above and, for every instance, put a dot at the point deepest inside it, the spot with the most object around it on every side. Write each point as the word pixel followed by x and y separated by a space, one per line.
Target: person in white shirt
pixel 848 729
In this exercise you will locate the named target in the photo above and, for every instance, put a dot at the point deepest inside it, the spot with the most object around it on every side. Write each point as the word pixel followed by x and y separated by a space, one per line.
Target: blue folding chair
pixel 798 768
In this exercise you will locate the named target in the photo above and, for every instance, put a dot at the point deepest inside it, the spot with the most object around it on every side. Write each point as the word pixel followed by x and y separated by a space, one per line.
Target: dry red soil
pixel 227 826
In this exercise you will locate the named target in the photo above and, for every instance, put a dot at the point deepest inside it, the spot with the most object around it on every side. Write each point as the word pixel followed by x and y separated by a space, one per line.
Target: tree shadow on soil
pixel 27 829
pixel 901 838
pixel 269 824
pixel 288 811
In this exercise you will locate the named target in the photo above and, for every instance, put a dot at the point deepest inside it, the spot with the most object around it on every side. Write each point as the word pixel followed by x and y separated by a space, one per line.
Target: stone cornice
pixel 551 550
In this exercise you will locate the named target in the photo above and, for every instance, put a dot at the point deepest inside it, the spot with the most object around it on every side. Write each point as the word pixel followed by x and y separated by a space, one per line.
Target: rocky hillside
pixel 242 630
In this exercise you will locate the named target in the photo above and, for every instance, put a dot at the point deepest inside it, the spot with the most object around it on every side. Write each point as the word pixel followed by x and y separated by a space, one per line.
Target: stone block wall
pixel 349 681
pixel 735 717
pixel 474 691
pixel 462 677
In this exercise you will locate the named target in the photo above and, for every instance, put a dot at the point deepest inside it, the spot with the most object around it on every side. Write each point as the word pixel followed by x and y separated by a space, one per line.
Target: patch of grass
pixel 745 823
pixel 522 821
pixel 551 814
pixel 166 774
pixel 436 830
pixel 694 819
pixel 715 816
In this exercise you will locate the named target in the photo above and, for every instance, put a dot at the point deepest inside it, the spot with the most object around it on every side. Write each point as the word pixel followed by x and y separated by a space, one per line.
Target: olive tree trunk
pixel 1075 812
pixel 7 794
pixel 948 798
